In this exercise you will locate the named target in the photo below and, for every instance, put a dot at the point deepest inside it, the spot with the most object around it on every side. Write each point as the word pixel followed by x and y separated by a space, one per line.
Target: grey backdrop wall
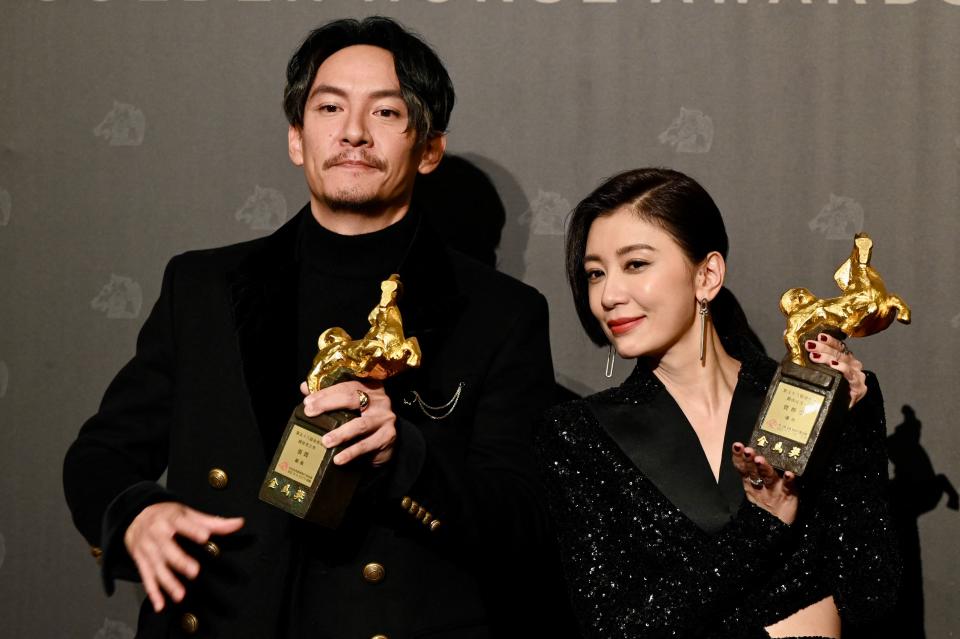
pixel 133 130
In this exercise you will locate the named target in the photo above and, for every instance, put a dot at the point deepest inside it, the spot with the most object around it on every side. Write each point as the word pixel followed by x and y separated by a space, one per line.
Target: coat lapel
pixel 431 303
pixel 263 291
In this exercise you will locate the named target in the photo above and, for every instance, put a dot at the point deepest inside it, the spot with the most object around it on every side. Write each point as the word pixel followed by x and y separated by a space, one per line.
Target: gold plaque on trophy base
pixel 798 420
pixel 302 478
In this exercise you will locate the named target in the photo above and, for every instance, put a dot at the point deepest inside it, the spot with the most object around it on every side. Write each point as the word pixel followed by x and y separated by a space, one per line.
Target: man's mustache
pixel 362 156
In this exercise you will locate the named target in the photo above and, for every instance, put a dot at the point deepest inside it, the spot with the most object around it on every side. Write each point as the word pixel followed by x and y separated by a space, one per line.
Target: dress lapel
pixel 648 427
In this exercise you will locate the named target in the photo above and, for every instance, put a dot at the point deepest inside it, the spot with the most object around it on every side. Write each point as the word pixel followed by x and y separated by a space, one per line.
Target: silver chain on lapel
pixel 429 410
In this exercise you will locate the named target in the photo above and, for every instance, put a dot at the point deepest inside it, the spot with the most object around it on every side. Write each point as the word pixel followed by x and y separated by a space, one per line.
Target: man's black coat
pixel 211 386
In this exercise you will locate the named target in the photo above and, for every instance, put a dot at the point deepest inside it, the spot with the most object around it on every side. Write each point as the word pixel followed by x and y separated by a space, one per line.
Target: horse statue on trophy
pixel 381 353
pixel 864 308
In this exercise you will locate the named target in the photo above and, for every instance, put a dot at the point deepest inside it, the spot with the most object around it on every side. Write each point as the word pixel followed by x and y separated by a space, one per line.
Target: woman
pixel 669 526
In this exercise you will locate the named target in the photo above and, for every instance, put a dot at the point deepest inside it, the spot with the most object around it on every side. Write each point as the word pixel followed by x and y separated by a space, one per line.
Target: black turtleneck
pixel 340 278
pixel 339 284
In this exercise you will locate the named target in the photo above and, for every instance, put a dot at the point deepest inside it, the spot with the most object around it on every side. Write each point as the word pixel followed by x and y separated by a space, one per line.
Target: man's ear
pixel 710 275
pixel 433 149
pixel 295 144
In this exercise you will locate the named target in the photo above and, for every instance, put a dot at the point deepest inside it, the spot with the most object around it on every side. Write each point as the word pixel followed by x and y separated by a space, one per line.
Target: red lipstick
pixel 623 324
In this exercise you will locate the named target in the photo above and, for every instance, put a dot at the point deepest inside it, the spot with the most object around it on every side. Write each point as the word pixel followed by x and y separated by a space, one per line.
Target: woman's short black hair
pixel 667 198
pixel 424 81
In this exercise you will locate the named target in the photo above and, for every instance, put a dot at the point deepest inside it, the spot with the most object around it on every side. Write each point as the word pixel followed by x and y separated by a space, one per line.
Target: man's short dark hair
pixel 424 82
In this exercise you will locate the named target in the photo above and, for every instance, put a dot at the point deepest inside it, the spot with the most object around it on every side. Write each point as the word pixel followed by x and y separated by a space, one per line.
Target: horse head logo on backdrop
pixel 864 308
pixel 123 126
pixel 120 298
pixel 547 213
pixel 840 218
pixel 690 132
pixel 112 629
pixel 265 210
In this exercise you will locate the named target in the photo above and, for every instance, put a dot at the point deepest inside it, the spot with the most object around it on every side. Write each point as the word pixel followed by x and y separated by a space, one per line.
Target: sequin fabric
pixel 636 567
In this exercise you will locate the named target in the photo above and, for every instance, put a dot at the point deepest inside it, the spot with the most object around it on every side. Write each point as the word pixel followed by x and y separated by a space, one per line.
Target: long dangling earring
pixel 704 311
pixel 608 371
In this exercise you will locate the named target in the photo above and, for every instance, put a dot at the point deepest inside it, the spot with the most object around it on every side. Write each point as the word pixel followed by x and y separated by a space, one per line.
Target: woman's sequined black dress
pixel 654 546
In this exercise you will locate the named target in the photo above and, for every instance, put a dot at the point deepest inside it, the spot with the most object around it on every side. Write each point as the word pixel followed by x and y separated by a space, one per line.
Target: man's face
pixel 355 146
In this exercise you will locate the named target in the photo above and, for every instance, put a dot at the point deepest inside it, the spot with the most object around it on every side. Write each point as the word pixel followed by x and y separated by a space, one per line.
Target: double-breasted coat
pixel 205 399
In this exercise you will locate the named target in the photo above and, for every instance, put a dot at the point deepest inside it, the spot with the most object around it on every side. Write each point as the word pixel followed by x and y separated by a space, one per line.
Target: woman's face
pixel 642 287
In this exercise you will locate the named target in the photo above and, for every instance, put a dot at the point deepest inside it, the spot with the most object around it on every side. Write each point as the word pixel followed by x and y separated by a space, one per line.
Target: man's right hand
pixel 150 541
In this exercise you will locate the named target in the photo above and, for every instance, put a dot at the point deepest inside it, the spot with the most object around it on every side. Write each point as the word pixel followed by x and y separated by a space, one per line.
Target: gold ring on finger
pixel 364 399
pixel 756 482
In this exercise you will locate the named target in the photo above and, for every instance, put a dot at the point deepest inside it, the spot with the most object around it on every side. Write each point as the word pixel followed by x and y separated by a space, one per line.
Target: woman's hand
pixel 764 487
pixel 835 354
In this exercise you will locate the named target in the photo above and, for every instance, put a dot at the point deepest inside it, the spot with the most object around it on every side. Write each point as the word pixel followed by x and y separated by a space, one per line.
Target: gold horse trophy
pixel 302 478
pixel 798 421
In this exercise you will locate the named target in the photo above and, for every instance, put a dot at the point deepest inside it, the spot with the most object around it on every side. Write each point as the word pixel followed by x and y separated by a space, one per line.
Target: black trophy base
pixel 302 478
pixel 800 416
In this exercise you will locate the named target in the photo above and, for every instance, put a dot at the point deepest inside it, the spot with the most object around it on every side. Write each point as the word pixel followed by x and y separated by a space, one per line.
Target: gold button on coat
pixel 374 572
pixel 217 478
pixel 189 623
pixel 212 548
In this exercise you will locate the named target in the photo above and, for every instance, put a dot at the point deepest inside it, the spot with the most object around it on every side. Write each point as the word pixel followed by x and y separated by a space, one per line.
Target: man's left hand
pixel 374 432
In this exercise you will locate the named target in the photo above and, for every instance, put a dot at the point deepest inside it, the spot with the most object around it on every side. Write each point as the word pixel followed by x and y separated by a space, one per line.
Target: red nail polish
pixel 834 362
pixel 815 355
pixel 811 343
pixel 822 337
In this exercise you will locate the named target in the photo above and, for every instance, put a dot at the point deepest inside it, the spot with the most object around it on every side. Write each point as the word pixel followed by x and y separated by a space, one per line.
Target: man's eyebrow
pixel 326 88
pixel 386 93
pixel 376 95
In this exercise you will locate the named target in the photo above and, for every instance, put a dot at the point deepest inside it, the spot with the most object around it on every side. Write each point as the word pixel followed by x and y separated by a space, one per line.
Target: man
pixel 431 543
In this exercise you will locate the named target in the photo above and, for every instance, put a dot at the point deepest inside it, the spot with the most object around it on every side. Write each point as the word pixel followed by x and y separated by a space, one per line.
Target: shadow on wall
pixel 915 489
pixel 463 205
pixel 513 244
pixel 462 200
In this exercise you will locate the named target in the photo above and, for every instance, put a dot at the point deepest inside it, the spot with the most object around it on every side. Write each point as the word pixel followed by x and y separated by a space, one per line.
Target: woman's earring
pixel 608 371
pixel 704 311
